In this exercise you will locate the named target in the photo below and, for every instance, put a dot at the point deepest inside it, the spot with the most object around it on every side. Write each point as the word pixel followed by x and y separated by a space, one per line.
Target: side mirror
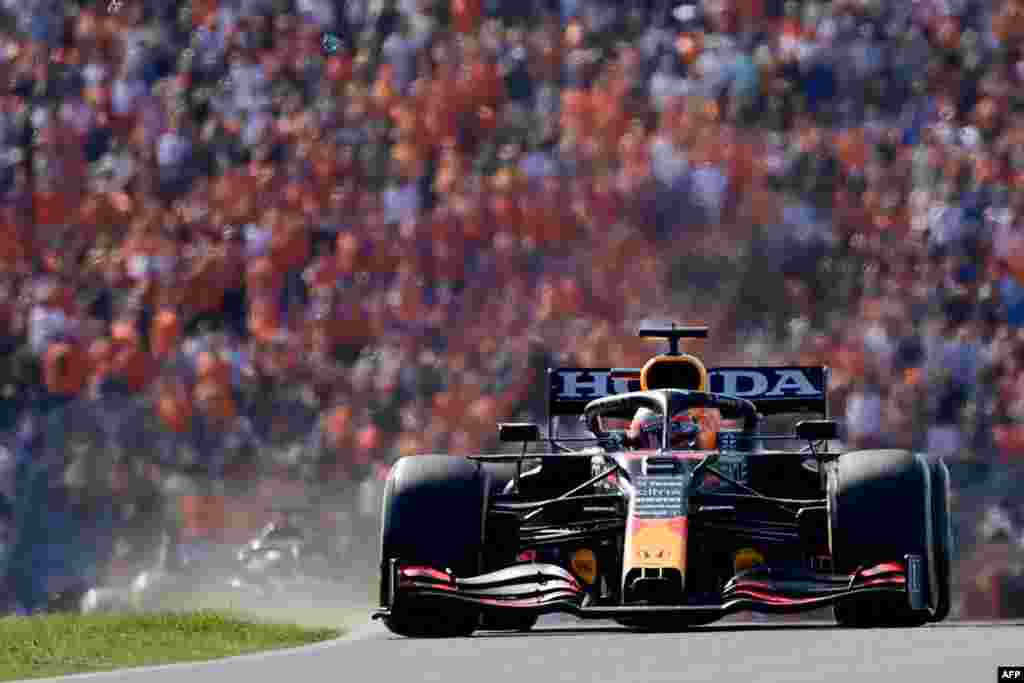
pixel 817 430
pixel 518 431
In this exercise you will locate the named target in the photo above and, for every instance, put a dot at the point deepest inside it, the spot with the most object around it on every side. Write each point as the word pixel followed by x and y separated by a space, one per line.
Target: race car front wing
pixel 546 588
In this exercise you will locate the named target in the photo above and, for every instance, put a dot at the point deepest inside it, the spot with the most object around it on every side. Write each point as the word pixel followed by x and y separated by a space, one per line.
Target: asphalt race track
pixel 595 652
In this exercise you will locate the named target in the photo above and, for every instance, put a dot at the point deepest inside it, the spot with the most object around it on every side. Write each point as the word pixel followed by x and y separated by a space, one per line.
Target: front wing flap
pixel 545 588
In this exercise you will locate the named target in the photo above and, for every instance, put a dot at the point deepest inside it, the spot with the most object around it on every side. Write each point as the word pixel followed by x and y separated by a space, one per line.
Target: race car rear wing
pixel 772 389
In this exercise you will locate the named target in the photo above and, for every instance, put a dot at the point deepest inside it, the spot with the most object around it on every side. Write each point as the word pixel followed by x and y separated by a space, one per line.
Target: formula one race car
pixel 671 533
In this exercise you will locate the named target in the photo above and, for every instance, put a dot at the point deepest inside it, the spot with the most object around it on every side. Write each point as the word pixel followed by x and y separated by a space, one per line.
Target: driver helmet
pixel 645 430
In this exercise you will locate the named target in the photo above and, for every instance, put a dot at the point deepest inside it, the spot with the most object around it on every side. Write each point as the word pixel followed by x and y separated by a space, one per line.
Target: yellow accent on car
pixel 584 565
pixel 745 559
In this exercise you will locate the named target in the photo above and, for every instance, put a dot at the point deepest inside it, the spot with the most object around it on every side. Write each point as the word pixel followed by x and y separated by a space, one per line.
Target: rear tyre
pixel 433 515
pixel 880 503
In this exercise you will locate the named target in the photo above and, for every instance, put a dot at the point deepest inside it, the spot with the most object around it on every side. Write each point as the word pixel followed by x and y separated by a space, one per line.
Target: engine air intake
pixel 674 372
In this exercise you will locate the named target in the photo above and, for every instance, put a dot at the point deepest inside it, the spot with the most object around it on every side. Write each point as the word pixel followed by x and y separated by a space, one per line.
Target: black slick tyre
pixel 881 505
pixel 433 515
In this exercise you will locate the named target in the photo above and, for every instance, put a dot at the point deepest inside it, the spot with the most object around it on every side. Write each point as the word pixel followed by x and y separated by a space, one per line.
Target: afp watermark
pixel 1010 673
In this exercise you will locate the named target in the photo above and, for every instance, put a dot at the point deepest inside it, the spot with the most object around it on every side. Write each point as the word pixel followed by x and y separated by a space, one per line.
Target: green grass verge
pixel 309 613
pixel 59 644
pixel 321 609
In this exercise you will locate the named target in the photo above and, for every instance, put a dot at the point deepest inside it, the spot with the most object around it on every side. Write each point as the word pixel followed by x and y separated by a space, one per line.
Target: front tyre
pixel 433 515
pixel 884 505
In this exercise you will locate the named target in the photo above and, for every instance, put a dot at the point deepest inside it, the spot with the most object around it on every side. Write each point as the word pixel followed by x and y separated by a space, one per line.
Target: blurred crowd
pixel 304 237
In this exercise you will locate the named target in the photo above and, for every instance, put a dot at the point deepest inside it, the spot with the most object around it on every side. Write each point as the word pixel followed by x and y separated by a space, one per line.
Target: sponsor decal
pixel 734 467
pixel 764 383
pixel 586 384
pixel 659 497
pixel 769 383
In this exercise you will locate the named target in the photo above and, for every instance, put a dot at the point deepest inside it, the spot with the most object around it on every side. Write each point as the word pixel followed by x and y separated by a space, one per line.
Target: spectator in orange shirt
pixel 65 370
